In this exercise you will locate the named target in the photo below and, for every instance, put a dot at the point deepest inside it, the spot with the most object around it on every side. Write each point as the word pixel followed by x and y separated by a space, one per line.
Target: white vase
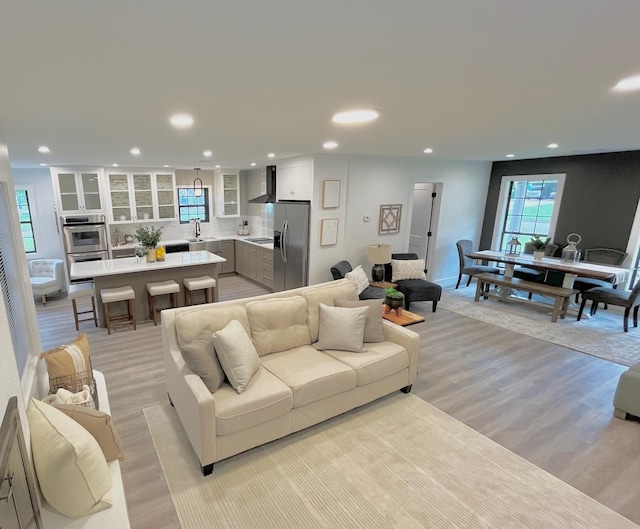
pixel 538 255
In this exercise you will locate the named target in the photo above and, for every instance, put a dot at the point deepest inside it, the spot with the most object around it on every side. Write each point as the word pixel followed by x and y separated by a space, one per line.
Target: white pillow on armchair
pixel 407 269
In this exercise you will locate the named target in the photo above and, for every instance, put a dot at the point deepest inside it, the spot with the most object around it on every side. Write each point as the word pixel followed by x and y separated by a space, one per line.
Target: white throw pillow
pixel 407 269
pixel 373 329
pixel 358 276
pixel 72 471
pixel 237 354
pixel 341 329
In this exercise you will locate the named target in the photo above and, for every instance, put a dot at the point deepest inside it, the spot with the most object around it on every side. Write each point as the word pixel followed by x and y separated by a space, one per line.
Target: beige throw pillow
pixel 72 471
pixel 407 269
pixel 341 329
pixel 98 424
pixel 69 361
pixel 373 328
pixel 200 355
pixel 359 277
pixel 237 354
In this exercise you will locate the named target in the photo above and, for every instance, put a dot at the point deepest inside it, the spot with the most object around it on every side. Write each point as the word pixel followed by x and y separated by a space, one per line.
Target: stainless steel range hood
pixel 270 195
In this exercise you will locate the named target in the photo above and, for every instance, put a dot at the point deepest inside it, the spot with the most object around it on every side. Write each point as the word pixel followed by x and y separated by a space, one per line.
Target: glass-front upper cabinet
pixel 77 191
pixel 227 189
pixel 141 196
pixel 166 194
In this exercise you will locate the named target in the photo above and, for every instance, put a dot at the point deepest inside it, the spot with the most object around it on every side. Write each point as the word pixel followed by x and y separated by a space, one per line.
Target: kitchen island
pixel 112 273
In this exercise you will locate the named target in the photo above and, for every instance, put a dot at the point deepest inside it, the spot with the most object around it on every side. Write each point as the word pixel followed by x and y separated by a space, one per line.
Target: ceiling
pixel 472 80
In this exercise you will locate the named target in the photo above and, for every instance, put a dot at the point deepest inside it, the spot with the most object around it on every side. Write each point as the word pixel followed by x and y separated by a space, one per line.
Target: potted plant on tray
pixel 393 300
pixel 149 238
pixel 538 247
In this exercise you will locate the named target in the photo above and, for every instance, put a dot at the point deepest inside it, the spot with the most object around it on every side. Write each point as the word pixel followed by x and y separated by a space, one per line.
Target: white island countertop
pixel 128 265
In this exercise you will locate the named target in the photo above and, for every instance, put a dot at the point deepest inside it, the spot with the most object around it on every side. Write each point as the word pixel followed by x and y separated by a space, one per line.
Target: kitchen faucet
pixel 197 223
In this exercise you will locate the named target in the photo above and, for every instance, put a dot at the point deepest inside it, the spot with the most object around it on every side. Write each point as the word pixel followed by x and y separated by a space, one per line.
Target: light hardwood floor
pixel 549 404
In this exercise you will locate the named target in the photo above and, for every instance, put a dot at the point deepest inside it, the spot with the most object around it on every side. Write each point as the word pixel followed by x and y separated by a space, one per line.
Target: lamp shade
pixel 379 253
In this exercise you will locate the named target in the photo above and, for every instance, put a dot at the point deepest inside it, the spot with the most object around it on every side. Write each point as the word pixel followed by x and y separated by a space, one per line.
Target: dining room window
pixel 528 206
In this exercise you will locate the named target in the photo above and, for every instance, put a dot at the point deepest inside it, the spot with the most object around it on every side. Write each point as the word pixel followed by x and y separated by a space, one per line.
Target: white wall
pixel 369 181
pixel 43 212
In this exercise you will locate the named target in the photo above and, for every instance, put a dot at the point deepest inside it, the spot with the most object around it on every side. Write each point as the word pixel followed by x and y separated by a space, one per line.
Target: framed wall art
pixel 330 194
pixel 389 218
pixel 328 232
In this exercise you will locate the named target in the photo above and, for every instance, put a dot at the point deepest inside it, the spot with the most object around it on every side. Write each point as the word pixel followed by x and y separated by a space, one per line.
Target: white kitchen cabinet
pixel 294 182
pixel 78 191
pixel 141 196
pixel 227 192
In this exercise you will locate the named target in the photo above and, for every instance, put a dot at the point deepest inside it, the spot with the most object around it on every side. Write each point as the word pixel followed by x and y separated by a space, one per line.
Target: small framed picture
pixel 330 194
pixel 389 218
pixel 328 232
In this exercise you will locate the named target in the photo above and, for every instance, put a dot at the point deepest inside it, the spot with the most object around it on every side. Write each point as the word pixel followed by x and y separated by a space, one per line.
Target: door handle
pixel 285 236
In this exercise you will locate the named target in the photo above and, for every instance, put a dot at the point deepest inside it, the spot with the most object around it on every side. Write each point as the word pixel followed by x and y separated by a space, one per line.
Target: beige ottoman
pixel 627 397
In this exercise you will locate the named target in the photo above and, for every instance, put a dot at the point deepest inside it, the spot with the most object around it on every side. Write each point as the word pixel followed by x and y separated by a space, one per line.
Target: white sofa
pixel 296 386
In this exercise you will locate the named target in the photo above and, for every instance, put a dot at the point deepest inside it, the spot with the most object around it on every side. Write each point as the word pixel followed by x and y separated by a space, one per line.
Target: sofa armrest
pixel 408 339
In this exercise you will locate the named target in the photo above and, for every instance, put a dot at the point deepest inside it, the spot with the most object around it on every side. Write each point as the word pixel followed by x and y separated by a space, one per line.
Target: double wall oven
pixel 85 238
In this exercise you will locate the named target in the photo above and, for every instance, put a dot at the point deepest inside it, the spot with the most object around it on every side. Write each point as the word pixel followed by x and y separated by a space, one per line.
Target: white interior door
pixel 421 219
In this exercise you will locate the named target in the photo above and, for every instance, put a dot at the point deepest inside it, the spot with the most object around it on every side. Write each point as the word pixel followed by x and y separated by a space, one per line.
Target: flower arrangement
pixel 148 237
pixel 538 244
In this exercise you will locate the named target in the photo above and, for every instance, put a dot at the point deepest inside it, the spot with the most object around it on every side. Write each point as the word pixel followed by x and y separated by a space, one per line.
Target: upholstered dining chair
pixel 468 265
pixel 530 273
pixel 606 256
pixel 628 300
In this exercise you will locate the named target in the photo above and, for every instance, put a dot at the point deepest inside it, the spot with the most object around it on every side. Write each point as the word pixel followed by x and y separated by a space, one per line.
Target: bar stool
pixel 78 291
pixel 161 288
pixel 206 283
pixel 112 295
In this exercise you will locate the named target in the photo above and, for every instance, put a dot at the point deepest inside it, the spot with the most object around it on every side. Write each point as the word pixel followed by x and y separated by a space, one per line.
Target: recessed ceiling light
pixel 166 165
pixel 217 167
pixel 43 164
pixel 43 149
pixel 628 84
pixel 114 165
pixel 510 155
pixel 181 121
pixel 329 145
pixel 553 146
pixel 428 150
pixel 360 115
pixel 271 155
pixel 207 154
pixel 135 151
pixel 252 164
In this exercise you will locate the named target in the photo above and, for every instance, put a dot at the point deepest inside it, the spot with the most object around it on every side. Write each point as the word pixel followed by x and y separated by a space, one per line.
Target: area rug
pixel 398 462
pixel 600 335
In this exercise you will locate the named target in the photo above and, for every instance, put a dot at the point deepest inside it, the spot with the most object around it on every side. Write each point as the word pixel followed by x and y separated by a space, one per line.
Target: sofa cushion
pixel 190 324
pixel 278 324
pixel 237 354
pixel 326 294
pixel 265 398
pixel 341 328
pixel 312 375
pixel 200 355
pixel 378 361
pixel 373 330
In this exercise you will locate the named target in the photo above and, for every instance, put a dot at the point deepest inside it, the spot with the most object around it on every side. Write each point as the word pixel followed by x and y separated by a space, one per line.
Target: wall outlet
pixel 365 218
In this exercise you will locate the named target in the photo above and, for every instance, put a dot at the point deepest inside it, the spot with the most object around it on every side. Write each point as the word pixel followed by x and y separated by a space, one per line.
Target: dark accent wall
pixel 599 201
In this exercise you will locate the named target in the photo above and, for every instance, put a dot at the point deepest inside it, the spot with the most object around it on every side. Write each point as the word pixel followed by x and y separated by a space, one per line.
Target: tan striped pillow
pixel 69 361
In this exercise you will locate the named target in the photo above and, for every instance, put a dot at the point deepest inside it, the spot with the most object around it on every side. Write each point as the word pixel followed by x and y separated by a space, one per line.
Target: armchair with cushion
pixel 340 271
pixel 410 278
pixel 467 265
pixel 46 277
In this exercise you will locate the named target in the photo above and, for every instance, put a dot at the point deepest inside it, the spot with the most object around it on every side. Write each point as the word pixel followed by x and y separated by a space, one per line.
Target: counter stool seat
pixel 206 283
pixel 161 288
pixel 113 295
pixel 79 291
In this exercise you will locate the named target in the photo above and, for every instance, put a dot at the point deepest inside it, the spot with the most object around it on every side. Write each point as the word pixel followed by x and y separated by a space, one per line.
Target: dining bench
pixel 560 294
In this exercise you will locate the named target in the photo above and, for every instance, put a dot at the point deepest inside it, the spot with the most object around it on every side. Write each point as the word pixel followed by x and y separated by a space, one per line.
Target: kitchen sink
pixel 260 240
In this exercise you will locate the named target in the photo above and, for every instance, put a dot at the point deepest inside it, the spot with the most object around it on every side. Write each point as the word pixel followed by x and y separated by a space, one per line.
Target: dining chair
pixel 628 300
pixel 608 256
pixel 468 265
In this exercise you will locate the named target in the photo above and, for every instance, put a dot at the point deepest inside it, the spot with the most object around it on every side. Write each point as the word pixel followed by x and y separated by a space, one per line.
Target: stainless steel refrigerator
pixel 291 245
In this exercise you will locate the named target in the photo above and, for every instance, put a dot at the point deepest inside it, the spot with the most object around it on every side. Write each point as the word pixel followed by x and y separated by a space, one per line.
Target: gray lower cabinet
pixel 229 253
pixel 254 262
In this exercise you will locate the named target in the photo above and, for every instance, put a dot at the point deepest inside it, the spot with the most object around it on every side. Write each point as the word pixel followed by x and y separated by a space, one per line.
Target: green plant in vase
pixel 149 238
pixel 538 246
pixel 393 300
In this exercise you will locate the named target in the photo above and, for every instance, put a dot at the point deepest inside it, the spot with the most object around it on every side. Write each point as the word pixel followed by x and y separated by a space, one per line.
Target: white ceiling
pixel 473 79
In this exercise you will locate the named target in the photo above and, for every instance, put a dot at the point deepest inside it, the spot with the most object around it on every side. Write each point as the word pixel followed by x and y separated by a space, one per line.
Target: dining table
pixel 571 269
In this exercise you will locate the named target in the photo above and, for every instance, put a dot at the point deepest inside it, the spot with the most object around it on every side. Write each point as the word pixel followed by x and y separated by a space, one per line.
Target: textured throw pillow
pixel 373 329
pixel 341 329
pixel 358 276
pixel 69 361
pixel 237 354
pixel 201 357
pixel 73 474
pixel 98 424
pixel 409 269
